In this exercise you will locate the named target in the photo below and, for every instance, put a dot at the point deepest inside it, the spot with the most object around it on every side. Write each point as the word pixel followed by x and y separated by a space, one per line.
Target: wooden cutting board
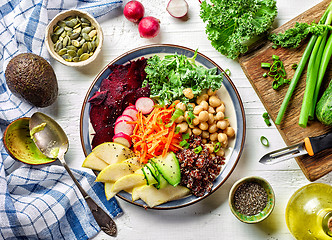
pixel 320 164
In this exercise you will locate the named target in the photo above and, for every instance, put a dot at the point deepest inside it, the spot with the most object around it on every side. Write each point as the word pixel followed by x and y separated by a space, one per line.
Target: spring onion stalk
pixel 312 75
pixel 300 68
pixel 295 79
pixel 322 69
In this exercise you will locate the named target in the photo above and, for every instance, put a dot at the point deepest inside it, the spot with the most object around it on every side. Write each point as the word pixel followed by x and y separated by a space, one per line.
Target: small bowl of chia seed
pixel 251 199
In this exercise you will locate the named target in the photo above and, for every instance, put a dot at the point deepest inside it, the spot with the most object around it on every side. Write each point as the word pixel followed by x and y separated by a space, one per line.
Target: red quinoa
pixel 198 171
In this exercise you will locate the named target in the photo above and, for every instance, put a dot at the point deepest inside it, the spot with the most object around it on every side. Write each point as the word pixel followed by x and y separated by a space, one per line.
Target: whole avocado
pixel 33 78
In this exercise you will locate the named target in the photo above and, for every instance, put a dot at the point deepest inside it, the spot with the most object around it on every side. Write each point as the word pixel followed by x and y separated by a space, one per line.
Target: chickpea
pixel 179 119
pixel 203 126
pixel 214 136
pixel 222 124
pixel 188 93
pixel 203 97
pixel 203 116
pixel 211 110
pixel 214 101
pixel 221 108
pixel 204 104
pixel 205 134
pixel 210 92
pixel 182 127
pixel 191 126
pixel 229 131
pixel 220 116
pixel 222 137
pixel 196 121
pixel 224 144
pixel 192 105
pixel 188 131
pixel 211 118
pixel 210 148
pixel 197 109
pixel 213 128
pixel 181 106
pixel 204 141
pixel 196 131
pixel 220 152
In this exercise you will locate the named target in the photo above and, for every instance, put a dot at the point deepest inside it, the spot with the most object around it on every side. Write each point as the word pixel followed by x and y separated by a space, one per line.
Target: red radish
pixel 124 118
pixel 130 107
pixel 134 11
pixel 149 27
pixel 177 8
pixel 123 126
pixel 122 138
pixel 132 112
pixel 144 104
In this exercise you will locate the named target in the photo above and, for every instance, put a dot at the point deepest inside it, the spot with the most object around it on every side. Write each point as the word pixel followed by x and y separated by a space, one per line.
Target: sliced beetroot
pixel 104 134
pixel 144 104
pixel 100 116
pixel 98 97
pixel 123 126
pixel 124 118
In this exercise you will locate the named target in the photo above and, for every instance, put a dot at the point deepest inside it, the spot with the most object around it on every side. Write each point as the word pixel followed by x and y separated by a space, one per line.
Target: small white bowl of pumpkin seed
pixel 74 38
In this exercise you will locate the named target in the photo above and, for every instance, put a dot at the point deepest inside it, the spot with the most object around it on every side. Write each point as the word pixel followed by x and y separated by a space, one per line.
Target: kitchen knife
pixel 310 145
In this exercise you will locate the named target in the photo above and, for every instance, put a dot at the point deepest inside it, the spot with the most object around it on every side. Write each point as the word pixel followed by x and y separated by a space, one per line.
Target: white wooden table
pixel 210 218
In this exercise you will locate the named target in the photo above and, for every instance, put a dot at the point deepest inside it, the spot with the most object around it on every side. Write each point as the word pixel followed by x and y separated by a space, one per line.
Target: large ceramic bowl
pixel 228 93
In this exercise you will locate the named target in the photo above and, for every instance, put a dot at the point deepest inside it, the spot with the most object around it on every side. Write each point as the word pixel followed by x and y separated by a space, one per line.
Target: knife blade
pixel 310 146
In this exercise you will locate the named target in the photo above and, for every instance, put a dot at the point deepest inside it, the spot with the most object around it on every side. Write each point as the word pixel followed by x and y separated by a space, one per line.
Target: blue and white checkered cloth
pixel 41 202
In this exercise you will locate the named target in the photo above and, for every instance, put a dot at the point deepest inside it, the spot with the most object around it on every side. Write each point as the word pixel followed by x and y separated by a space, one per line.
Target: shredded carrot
pixel 151 137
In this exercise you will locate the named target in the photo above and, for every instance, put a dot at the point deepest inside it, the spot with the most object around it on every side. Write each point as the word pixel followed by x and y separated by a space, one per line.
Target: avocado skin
pixel 32 77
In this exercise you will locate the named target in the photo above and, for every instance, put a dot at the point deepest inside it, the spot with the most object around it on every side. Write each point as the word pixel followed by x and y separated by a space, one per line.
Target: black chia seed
pixel 250 198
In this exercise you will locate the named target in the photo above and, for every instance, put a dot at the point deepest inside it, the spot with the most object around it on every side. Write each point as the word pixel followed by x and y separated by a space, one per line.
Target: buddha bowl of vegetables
pixel 150 122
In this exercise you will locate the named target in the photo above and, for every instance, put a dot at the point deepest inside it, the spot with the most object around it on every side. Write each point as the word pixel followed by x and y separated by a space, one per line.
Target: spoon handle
pixel 105 222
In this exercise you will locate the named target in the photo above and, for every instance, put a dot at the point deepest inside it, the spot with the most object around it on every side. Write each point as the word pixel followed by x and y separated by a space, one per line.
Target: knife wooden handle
pixel 317 144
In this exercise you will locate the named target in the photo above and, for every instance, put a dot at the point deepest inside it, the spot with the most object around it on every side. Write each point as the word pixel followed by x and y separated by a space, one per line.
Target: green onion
pixel 184 144
pixel 275 57
pixel 274 46
pixel 267 121
pixel 177 113
pixel 198 149
pixel 177 130
pixel 265 115
pixel 228 72
pixel 265 75
pixel 264 141
pixel 217 147
pixel 185 136
pixel 190 117
pixel 265 65
pixel 294 66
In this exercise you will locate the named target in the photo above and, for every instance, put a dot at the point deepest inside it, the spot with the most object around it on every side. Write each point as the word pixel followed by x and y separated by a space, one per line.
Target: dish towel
pixel 41 202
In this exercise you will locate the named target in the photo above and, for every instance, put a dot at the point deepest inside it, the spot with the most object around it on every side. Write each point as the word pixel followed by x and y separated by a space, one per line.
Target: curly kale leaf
pixel 232 25
pixel 292 37
pixel 168 77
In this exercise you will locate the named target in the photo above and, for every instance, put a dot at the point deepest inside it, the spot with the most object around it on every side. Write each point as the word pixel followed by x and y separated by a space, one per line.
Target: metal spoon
pixel 52 141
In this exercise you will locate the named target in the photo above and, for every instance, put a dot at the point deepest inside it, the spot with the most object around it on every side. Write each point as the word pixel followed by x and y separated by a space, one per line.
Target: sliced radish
pixel 124 118
pixel 144 104
pixel 132 112
pixel 123 126
pixel 130 107
pixel 123 139
pixel 177 8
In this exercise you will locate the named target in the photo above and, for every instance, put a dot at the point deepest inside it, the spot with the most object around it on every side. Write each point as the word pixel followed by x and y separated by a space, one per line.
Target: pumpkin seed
pixel 85 24
pixel 86 36
pixel 54 38
pixel 63 34
pixel 68 28
pixel 76 43
pixel 84 20
pixel 72 53
pixel 89 46
pixel 65 41
pixel 77 30
pixel 72 48
pixel 97 41
pixel 59 31
pixel 74 36
pixel 62 51
pixel 58 46
pixel 82 41
pixel 92 33
pixel 86 30
pixel 77 25
pixel 67 57
pixel 76 59
pixel 85 47
pixel 84 56
pixel 80 52
pixel 70 24
pixel 62 24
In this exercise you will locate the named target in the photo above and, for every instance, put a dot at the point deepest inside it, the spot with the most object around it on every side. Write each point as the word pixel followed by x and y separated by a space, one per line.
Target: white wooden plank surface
pixel 210 218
